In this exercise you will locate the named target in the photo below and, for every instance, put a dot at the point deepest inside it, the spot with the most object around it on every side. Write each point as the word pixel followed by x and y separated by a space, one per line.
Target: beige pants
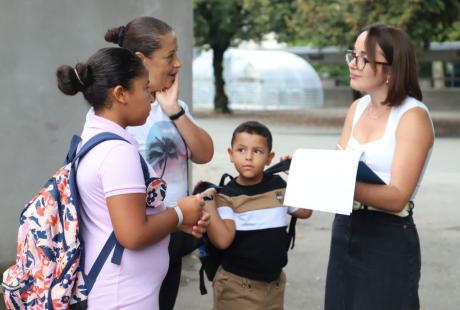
pixel 232 292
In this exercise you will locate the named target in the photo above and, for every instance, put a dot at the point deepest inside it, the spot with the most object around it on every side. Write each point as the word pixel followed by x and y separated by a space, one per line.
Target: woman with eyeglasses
pixel 374 258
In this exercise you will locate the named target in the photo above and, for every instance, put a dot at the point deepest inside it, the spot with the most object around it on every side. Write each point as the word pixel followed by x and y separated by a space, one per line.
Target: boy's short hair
pixel 254 127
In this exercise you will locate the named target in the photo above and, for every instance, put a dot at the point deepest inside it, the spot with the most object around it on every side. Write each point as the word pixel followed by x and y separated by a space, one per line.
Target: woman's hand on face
pixel 168 98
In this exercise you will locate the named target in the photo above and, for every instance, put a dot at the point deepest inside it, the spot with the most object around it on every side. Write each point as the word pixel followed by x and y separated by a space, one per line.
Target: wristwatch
pixel 177 115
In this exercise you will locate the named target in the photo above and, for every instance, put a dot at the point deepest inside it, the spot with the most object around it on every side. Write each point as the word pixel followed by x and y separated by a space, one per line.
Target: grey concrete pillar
pixel 37 120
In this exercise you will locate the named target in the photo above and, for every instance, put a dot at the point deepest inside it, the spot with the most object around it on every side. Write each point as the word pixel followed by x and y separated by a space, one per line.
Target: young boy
pixel 248 220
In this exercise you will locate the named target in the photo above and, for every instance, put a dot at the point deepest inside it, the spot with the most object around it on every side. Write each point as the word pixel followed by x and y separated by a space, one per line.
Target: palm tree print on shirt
pixel 160 151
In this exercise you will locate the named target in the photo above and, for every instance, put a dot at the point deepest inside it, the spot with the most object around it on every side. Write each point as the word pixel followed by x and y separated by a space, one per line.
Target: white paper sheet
pixel 322 180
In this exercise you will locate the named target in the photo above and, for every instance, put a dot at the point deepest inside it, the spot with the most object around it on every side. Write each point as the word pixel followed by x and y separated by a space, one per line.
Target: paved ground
pixel 446 122
pixel 437 215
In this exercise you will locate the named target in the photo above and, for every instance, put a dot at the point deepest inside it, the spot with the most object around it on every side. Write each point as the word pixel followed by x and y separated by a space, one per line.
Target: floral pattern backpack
pixel 48 273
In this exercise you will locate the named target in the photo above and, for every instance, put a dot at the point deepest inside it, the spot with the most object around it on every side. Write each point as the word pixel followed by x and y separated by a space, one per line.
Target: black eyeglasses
pixel 360 61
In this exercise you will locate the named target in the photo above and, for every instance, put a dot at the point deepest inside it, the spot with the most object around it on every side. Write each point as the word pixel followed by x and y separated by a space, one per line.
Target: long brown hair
pixel 400 54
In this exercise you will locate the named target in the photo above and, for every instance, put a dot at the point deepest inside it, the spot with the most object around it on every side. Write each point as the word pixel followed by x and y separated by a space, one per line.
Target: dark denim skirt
pixel 374 263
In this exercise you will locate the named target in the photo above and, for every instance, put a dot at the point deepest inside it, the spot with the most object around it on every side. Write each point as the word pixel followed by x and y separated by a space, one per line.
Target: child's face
pixel 249 153
pixel 139 101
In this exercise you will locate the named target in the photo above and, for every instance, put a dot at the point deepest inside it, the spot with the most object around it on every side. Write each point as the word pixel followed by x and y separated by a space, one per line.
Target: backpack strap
pixel 279 167
pixel 222 179
pixel 106 136
pixel 203 289
pixel 276 168
pixel 291 232
pixel 72 149
pixel 203 246
pixel 91 143
pixel 145 169
pixel 112 242
pixel 73 156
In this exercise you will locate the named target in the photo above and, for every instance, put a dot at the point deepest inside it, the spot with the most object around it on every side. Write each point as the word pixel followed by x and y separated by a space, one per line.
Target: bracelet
pixel 177 115
pixel 180 216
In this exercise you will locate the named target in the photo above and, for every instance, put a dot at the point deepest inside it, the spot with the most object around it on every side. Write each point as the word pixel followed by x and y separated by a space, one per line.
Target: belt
pixel 406 211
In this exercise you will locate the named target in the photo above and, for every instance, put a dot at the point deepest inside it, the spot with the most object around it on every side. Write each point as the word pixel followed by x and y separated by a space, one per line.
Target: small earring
pixel 387 82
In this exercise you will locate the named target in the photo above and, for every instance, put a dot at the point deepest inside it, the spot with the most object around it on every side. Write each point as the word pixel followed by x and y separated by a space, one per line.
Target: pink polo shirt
pixel 113 168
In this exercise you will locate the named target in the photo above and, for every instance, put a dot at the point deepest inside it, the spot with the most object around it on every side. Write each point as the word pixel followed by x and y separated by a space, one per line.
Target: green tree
pixel 338 22
pixel 453 34
pixel 220 24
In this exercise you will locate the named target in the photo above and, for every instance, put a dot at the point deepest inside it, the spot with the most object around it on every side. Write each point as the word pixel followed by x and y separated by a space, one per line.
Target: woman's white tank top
pixel 378 154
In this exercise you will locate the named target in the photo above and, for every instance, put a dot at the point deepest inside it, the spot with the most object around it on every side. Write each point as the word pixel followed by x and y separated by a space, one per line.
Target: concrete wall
pixel 37 121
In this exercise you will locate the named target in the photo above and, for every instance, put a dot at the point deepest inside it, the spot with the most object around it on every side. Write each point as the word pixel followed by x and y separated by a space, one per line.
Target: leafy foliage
pixel 225 23
pixel 220 24
pixel 338 22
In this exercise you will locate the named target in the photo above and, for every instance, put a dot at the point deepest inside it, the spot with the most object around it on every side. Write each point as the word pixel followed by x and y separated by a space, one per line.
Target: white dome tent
pixel 259 79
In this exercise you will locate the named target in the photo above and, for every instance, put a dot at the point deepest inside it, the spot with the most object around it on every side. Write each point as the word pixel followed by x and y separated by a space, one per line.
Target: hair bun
pixel 115 35
pixel 83 74
pixel 72 80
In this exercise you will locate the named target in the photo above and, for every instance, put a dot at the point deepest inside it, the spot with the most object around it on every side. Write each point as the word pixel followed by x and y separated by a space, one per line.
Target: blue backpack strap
pixel 99 138
pixel 72 149
pixel 117 254
pixel 112 242
pixel 91 277
pixel 145 169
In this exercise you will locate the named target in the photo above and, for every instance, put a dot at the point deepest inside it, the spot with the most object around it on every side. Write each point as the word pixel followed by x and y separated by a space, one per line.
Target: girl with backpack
pixel 170 137
pixel 111 184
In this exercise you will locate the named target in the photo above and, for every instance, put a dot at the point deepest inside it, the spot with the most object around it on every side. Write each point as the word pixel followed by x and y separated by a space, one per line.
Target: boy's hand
pixel 202 225
pixel 199 228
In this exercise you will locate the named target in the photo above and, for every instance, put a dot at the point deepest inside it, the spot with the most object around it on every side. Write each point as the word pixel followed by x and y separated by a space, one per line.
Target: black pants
pixel 180 244
pixel 374 263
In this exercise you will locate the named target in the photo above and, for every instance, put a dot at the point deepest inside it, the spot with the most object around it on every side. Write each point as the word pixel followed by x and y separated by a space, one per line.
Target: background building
pixel 259 79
